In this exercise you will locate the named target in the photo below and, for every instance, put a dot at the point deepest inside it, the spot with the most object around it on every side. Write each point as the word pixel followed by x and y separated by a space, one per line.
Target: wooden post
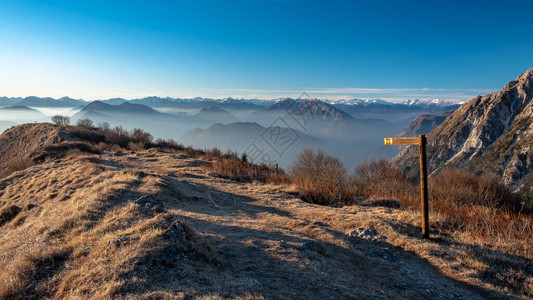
pixel 424 205
pixel 424 186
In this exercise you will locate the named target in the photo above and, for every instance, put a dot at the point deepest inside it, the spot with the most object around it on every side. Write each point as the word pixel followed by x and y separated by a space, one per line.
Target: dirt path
pixel 274 245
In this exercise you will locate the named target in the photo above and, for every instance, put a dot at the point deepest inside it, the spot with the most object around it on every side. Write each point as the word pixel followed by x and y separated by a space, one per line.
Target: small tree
pixel 61 120
pixel 85 123
pixel 141 136
pixel 104 126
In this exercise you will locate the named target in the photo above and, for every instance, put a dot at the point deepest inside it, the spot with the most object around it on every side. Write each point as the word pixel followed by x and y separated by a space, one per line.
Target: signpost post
pixel 421 142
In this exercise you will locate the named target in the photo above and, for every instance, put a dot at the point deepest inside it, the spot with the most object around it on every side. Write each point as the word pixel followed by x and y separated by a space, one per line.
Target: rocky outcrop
pixel 491 133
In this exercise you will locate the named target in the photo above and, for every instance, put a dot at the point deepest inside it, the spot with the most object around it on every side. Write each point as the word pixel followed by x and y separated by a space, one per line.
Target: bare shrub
pixel 190 151
pixel 320 178
pixel 104 126
pixel 230 154
pixel 140 136
pixel 382 179
pixel 118 135
pixel 61 120
pixel 239 170
pixel 87 134
pixel 462 188
pixel 214 153
pixel 88 123
pixel 170 144
pixel 136 146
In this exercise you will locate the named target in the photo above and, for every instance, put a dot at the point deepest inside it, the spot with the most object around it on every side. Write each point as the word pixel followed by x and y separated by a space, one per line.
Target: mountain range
pixel 491 133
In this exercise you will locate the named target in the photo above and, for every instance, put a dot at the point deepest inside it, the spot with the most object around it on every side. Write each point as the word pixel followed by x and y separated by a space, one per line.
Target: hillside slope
pixel 154 224
pixel 24 142
pixel 489 133
pixel 424 124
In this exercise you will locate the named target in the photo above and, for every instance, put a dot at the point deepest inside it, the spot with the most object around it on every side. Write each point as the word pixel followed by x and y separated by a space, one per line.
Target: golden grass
pixel 84 234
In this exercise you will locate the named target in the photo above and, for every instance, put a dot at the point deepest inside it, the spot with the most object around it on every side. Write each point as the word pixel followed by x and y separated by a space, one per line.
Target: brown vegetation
pixel 321 178
pixel 240 170
pixel 100 230
pixel 61 120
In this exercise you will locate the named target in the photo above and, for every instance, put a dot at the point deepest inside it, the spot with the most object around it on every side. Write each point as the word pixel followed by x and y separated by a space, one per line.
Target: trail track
pixel 275 245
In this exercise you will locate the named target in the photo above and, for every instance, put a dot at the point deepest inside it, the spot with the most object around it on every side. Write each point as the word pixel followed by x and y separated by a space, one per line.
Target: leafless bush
pixel 61 120
pixel 104 126
pixel 141 136
pixel 239 170
pixel 382 179
pixel 214 153
pixel 118 135
pixel 320 178
pixel 136 146
pixel 92 135
pixel 170 144
pixel 88 123
pixel 464 189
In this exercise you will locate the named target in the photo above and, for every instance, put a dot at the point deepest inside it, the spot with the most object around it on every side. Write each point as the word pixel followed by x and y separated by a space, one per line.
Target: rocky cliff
pixel 491 133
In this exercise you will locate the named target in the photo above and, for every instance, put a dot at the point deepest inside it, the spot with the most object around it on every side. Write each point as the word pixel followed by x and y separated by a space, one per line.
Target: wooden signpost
pixel 421 142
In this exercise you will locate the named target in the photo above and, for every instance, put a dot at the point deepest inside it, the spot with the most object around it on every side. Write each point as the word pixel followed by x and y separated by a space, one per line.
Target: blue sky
pixel 262 48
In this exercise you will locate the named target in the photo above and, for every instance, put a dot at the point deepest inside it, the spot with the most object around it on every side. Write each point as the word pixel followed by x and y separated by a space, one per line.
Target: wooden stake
pixel 424 186
pixel 424 206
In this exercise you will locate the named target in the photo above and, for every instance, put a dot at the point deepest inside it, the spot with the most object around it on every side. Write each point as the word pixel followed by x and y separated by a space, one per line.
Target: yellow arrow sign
pixel 402 141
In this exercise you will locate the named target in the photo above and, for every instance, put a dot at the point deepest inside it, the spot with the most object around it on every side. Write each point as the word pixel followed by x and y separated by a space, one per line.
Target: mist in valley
pixel 270 132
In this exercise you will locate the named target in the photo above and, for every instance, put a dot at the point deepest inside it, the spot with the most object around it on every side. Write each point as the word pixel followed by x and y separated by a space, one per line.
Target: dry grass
pixel 239 170
pixel 85 226
pixel 17 164
pixel 462 188
pixel 476 206
pixel 93 226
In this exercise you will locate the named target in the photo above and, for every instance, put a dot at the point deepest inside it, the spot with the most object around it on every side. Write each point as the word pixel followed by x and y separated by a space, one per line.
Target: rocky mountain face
pixel 491 133
pixel 422 125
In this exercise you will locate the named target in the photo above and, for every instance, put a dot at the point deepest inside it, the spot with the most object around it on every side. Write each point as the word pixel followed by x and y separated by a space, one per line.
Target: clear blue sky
pixel 264 48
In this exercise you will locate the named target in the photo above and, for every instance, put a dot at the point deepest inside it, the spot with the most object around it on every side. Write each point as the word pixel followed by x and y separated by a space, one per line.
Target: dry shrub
pixel 190 151
pixel 214 153
pixel 61 120
pixel 167 144
pixel 91 135
pixel 321 178
pixel 64 149
pixel 243 171
pixel 118 135
pixel 88 123
pixel 382 179
pixel 141 136
pixel 463 188
pixel 479 205
pixel 136 146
